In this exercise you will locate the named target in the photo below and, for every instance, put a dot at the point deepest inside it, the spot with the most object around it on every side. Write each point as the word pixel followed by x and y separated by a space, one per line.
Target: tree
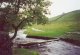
pixel 13 14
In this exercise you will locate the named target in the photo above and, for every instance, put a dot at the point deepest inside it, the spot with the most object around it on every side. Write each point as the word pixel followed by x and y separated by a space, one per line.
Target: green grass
pixel 71 16
pixel 69 22
pixel 21 51
pixel 50 30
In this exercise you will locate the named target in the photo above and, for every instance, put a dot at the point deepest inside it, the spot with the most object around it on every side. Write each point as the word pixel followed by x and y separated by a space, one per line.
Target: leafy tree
pixel 14 14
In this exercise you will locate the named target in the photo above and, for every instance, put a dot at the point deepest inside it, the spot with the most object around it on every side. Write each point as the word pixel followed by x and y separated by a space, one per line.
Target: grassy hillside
pixel 57 27
pixel 68 17
pixel 72 17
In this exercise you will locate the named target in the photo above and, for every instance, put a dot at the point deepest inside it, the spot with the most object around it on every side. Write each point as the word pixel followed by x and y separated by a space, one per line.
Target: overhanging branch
pixel 16 28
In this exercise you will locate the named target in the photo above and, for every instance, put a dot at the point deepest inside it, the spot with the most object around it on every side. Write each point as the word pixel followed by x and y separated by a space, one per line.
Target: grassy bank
pixel 21 51
pixel 50 30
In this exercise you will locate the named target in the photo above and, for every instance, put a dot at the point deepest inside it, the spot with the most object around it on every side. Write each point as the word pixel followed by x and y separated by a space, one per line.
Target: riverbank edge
pixel 72 41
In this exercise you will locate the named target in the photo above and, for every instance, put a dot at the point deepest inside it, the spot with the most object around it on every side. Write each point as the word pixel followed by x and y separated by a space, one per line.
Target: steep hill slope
pixel 71 16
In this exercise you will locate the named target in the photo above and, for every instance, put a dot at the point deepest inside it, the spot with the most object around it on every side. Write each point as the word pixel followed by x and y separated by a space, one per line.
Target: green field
pixel 69 22
pixel 50 30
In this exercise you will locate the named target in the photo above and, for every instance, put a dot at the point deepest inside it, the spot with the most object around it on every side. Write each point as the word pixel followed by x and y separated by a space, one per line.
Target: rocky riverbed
pixel 57 48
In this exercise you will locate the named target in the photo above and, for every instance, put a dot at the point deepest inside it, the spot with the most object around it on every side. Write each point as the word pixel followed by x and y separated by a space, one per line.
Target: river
pixel 53 47
pixel 57 48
